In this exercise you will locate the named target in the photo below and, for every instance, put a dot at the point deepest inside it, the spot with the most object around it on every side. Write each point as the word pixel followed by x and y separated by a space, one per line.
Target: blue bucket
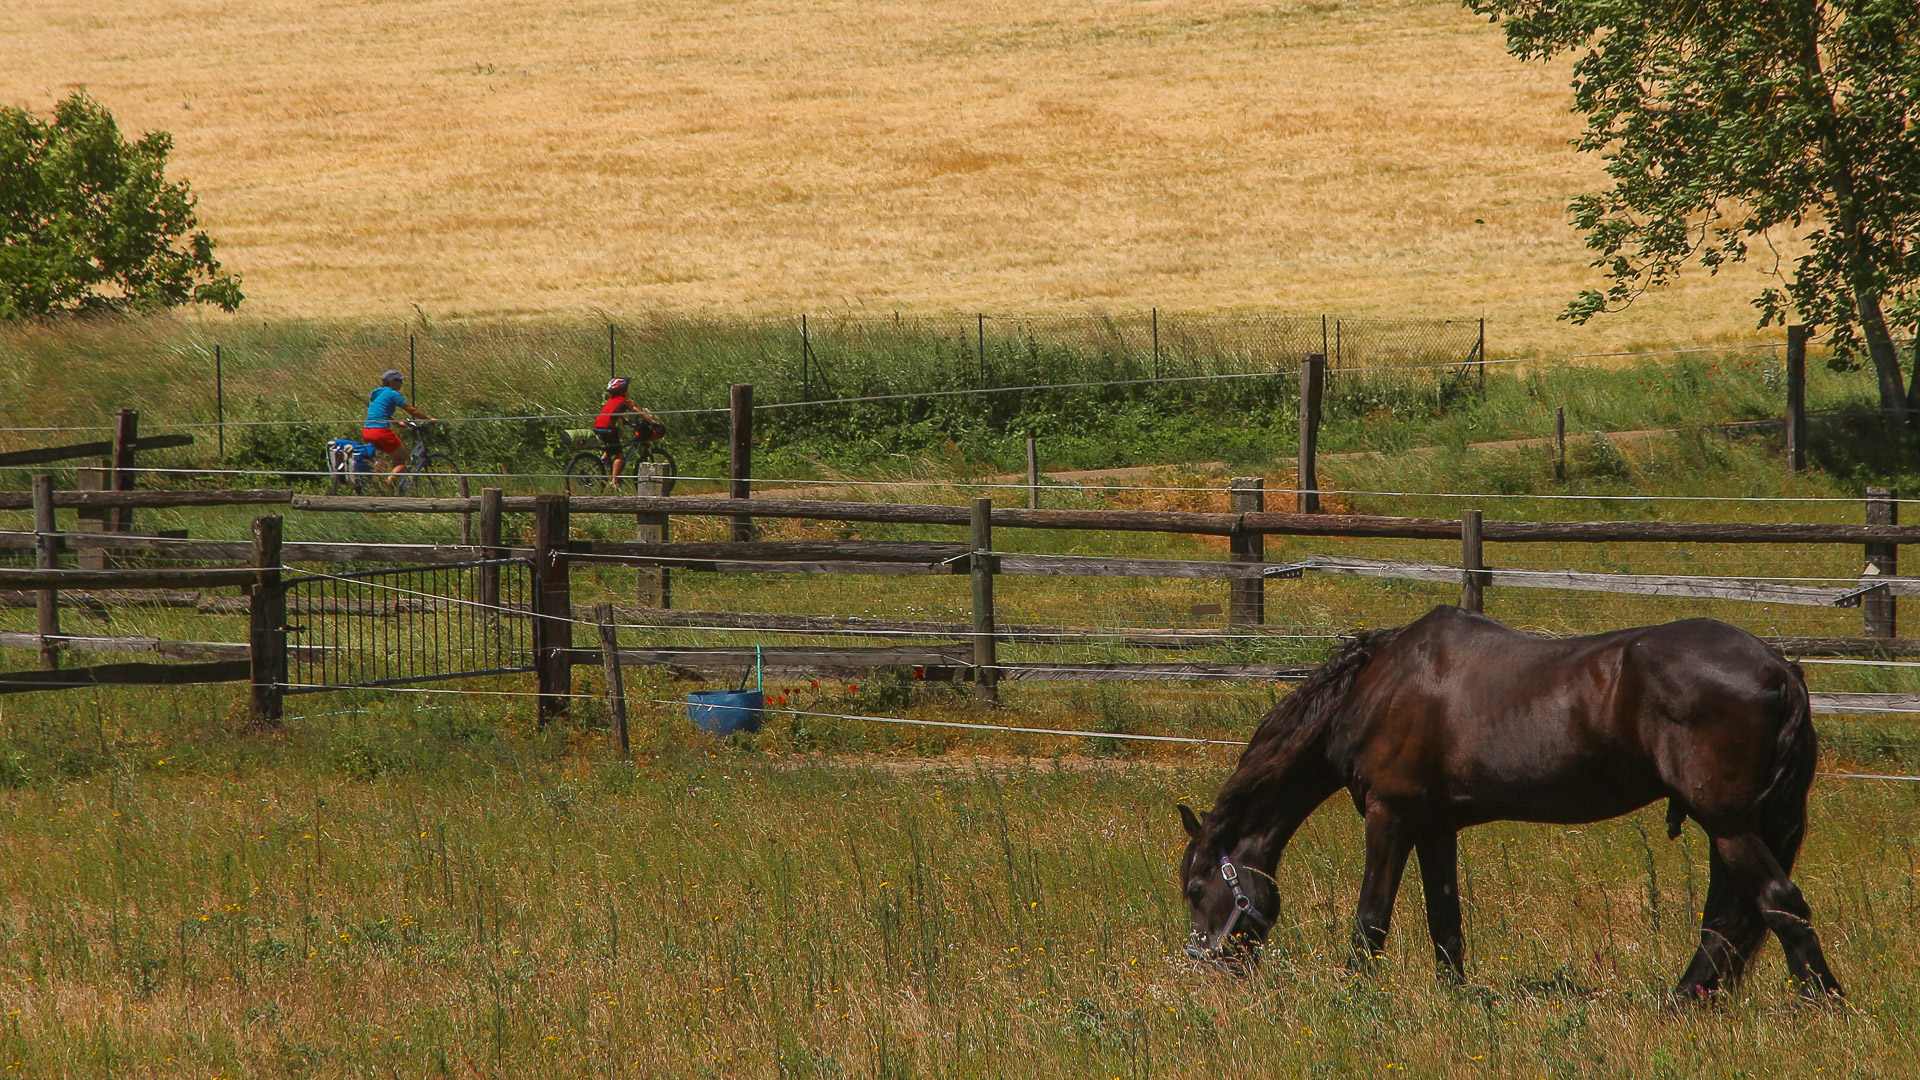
pixel 722 712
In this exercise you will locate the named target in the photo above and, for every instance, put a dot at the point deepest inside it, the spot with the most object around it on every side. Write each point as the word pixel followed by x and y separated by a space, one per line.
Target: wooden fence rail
pixel 102 448
pixel 133 674
pixel 554 551
pixel 167 578
pixel 152 500
pixel 1359 526
pixel 857 557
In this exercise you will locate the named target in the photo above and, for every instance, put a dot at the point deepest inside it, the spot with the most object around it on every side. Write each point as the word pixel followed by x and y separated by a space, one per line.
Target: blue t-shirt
pixel 380 406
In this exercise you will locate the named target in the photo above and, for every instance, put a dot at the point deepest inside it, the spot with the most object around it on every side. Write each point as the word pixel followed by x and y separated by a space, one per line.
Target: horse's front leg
pixel 1388 845
pixel 1440 879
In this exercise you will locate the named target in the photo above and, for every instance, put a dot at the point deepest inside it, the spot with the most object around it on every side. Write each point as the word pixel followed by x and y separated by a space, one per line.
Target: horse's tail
pixel 1783 805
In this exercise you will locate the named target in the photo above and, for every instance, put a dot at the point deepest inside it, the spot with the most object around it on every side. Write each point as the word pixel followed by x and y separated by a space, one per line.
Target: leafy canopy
pixel 1728 123
pixel 89 222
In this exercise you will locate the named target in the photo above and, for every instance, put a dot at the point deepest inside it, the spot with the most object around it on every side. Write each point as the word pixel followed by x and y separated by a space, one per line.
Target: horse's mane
pixel 1300 722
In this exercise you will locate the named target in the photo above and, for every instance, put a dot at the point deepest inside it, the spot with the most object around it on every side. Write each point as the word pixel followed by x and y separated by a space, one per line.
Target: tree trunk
pixel 1846 221
pixel 1913 383
pixel 1886 362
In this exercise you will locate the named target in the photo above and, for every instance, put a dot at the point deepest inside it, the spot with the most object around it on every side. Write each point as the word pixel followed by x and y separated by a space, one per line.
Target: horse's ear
pixel 1188 819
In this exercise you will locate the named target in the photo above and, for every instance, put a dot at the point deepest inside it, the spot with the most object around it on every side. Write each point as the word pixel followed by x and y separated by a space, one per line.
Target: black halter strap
pixel 1242 905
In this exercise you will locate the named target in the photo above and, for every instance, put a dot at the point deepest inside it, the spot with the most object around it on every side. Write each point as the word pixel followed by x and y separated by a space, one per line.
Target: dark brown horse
pixel 1457 720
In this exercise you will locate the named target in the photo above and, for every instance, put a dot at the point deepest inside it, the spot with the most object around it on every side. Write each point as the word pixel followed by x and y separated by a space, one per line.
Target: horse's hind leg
pixel 1440 879
pixel 1730 932
pixel 1783 908
pixel 1388 846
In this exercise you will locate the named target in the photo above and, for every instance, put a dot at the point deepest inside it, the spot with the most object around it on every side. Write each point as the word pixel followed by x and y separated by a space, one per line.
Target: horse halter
pixel 1242 908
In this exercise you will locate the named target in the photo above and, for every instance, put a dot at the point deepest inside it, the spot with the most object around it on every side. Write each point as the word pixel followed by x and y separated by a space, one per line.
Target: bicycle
pixel 590 469
pixel 430 474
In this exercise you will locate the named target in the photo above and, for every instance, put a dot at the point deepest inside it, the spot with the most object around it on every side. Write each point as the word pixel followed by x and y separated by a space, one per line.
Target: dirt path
pixel 1634 445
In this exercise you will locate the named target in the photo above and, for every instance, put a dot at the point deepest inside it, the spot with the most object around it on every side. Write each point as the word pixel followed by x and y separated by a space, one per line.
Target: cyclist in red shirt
pixel 620 410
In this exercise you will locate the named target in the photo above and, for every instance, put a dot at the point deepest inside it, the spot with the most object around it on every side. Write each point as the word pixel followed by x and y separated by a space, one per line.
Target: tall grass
pixel 431 893
pixel 436 886
pixel 290 386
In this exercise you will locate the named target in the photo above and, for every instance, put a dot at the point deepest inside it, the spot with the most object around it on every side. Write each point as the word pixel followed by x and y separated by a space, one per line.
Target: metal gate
pixel 408 624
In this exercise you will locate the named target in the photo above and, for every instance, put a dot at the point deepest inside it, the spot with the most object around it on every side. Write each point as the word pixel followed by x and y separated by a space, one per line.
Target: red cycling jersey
pixel 610 412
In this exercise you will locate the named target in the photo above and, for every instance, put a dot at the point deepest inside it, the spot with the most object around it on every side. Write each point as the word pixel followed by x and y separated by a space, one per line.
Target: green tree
pixel 1729 123
pixel 89 221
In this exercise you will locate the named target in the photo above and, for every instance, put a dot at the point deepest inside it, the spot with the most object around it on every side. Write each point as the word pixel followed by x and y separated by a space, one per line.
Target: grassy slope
pixel 1361 157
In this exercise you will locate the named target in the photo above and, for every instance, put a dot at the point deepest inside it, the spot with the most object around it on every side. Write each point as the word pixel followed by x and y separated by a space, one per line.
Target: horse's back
pixel 1504 723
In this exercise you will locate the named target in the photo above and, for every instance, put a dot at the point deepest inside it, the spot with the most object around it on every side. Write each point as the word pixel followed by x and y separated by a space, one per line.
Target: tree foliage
pixel 1730 124
pixel 89 221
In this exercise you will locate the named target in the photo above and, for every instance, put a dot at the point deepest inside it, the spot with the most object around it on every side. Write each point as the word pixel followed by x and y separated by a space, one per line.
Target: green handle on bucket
pixel 757 684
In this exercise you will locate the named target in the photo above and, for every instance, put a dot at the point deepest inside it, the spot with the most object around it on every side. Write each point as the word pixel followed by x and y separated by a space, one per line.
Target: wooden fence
pixel 255 568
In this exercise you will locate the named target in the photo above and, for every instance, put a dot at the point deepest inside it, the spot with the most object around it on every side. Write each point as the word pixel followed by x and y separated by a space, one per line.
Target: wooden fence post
pixel 553 604
pixel 490 549
pixel 1473 577
pixel 91 478
pixel 616 687
pixel 1560 443
pixel 985 676
pixel 1247 597
pixel 46 546
pixel 1877 607
pixel 126 434
pixel 1797 398
pixel 655 584
pixel 1156 343
pixel 1313 378
pixel 1033 474
pixel 740 468
pixel 1480 353
pixel 267 624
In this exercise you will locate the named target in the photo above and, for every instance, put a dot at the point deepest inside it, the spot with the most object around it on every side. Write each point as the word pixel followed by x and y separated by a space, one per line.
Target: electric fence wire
pixel 803 483
pixel 815 631
pixel 910 722
pixel 854 632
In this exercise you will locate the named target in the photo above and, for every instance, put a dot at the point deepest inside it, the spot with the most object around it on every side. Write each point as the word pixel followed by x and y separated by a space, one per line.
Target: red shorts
pixel 383 439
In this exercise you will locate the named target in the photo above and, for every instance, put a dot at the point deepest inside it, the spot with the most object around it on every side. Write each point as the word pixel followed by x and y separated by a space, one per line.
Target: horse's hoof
pixel 1692 995
pixel 1819 991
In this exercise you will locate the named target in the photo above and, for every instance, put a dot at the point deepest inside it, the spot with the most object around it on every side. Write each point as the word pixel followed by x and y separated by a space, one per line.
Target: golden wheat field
pixel 359 157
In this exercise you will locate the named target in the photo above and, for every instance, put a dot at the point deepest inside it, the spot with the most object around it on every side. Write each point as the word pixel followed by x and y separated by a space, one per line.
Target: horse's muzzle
pixel 1236 956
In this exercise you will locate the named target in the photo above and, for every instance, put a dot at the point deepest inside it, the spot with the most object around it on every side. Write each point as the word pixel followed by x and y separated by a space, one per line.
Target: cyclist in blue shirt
pixel 381 405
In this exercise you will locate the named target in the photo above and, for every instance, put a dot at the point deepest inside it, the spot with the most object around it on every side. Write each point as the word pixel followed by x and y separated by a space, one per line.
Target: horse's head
pixel 1231 905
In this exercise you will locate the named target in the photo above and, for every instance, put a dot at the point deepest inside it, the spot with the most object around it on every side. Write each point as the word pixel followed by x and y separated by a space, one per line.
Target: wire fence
pixel 549 373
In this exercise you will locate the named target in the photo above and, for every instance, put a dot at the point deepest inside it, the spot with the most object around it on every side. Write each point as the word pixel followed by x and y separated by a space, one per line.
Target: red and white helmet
pixel 618 385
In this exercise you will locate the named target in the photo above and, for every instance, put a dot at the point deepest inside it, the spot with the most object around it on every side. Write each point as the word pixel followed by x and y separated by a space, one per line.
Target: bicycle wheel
pixel 586 474
pixel 434 477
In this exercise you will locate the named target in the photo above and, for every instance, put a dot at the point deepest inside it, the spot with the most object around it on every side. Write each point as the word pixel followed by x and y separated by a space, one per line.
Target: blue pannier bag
pixel 345 456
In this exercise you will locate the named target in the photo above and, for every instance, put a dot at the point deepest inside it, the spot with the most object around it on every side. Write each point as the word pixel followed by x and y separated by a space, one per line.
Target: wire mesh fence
pixel 409 624
pixel 843 355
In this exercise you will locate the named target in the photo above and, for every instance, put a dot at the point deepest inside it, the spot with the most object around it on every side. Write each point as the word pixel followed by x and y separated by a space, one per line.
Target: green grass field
pixel 431 885
pixel 401 892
